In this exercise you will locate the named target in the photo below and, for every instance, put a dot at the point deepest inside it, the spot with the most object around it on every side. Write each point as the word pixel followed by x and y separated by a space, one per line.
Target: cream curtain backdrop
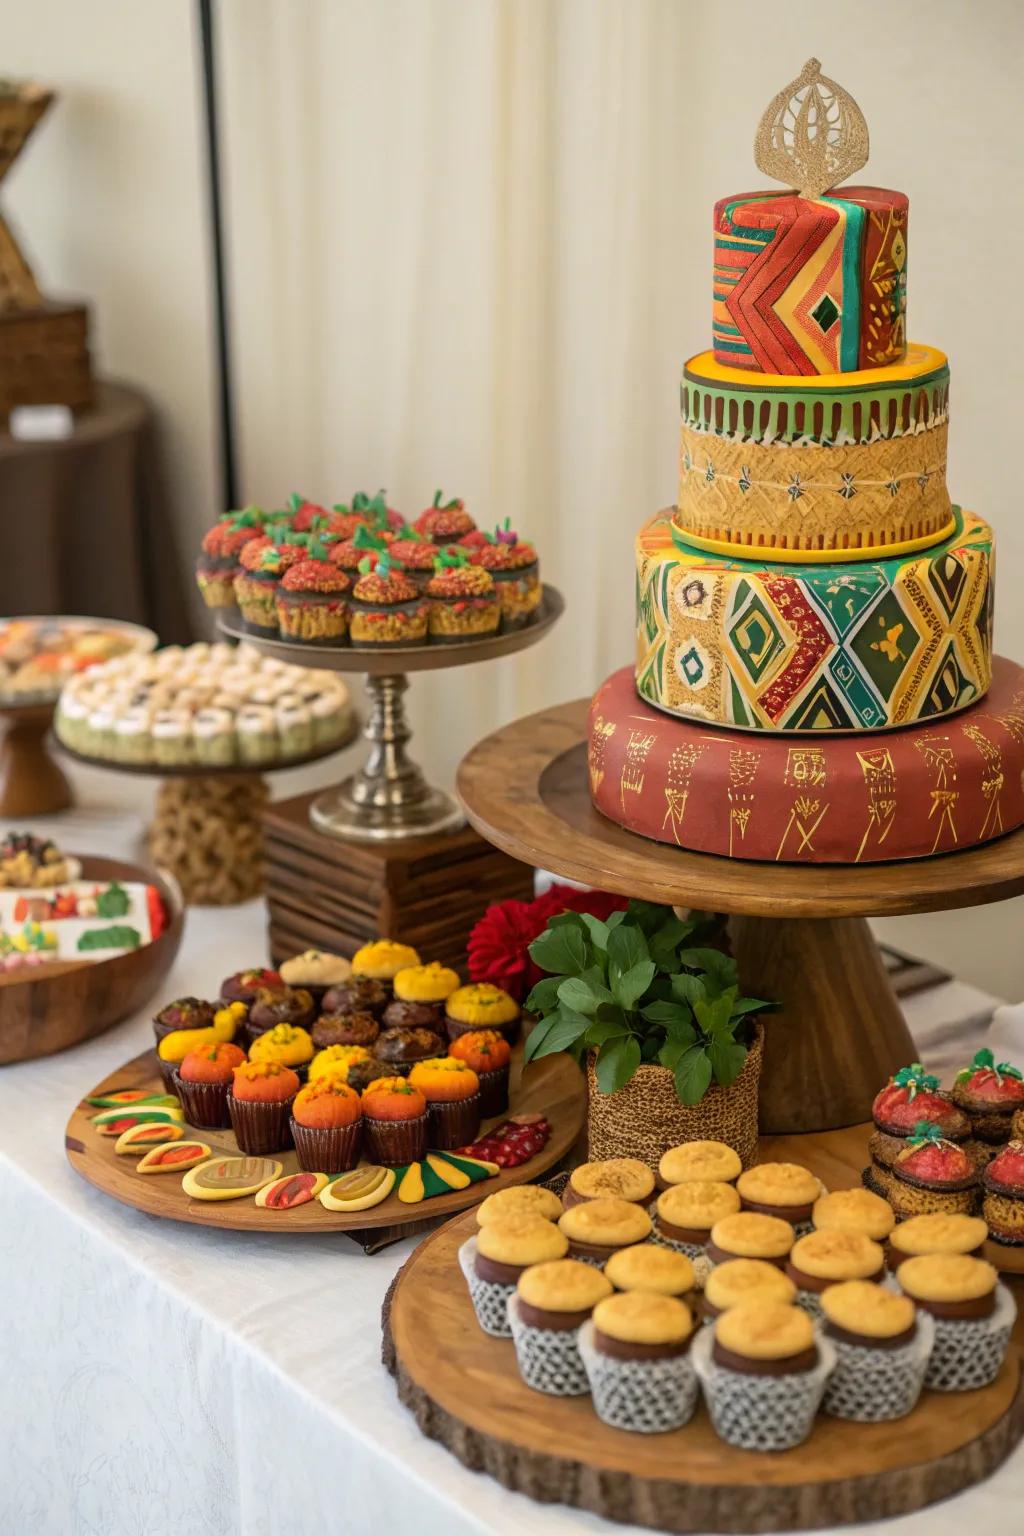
pixel 470 247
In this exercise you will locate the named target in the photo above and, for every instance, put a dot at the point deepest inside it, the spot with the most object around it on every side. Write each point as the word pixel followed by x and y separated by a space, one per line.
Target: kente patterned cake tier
pixel 810 284
pixel 851 462
pixel 860 646
pixel 837 800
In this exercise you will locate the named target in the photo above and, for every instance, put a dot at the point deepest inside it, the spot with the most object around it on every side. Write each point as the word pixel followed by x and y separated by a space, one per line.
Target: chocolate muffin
pixel 279 1005
pixel 357 1028
pixel 402 1048
pixel 359 994
pixel 362 1073
pixel 183 1013
pixel 402 1015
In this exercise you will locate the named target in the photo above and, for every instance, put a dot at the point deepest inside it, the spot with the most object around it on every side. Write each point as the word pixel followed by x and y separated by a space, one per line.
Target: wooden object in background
pixel 326 893
pixel 44 357
pixel 839 1031
pixel 72 1002
pixel 464 1390
pixel 22 104
pixel 31 783
pixel 206 831
pixel 553 1087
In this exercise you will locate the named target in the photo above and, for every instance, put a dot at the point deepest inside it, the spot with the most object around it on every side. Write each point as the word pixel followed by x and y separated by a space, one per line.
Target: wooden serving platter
pixel 465 1391
pixel 553 1087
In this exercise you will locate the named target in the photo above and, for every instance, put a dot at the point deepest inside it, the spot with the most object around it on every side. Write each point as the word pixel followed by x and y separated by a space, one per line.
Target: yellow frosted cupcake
pixel 882 1348
pixel 973 1316
pixel 383 959
pixel 649 1267
pixel 596 1228
pixel 742 1280
pixel 636 1353
pixel 431 983
pixel 827 1257
pixel 686 1213
pixel 767 1353
pixel 482 1006
pixel 287 1044
pixel 335 1060
pixel 854 1210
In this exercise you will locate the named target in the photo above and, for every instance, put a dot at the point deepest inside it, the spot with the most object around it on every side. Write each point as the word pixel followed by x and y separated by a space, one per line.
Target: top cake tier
pixel 810 285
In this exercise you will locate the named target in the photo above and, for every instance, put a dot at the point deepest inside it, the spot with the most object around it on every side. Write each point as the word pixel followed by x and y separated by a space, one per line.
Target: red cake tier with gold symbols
pixel 855 799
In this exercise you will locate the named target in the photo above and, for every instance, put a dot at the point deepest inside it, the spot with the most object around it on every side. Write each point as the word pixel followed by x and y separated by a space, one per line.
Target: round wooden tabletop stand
pixel 553 1087
pixel 799 932
pixel 388 799
pixel 465 1391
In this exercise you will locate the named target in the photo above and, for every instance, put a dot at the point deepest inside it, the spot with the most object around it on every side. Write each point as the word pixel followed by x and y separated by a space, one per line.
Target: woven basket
pixel 645 1118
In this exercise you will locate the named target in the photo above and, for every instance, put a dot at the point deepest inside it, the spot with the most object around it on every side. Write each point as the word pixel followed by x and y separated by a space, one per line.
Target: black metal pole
pixel 229 485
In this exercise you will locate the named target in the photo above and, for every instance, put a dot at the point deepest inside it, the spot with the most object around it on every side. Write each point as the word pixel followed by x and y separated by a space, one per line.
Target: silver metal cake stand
pixel 388 797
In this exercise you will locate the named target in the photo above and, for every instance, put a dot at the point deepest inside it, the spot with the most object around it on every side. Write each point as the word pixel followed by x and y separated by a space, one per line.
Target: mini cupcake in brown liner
pixel 203 1081
pixel 360 994
pixel 174 1045
pixel 490 1056
pixel 326 1126
pixel 1003 1204
pixel 394 1122
pixel 882 1344
pixel 183 1013
pixel 403 1048
pixel 990 1093
pixel 932 1173
pixel 315 971
pixel 551 1303
pixel 452 1092
pixel 355 1028
pixel 423 990
pixel 260 1104
pixel 482 1006
pixel 494 1259
pixel 763 1368
pixel 636 1353
pixel 368 1069
pixel 973 1315
pixel 278 1005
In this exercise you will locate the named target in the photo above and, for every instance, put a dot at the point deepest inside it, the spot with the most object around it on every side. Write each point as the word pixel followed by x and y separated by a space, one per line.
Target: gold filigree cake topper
pixel 813 134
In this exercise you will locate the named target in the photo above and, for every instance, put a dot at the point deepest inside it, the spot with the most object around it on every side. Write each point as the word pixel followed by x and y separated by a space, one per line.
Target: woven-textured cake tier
pixel 810 284
pixel 860 645
pixel 933 788
pixel 851 462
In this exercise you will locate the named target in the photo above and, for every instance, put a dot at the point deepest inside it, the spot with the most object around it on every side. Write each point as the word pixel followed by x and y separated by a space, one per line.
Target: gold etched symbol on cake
pixel 812 135
pixel 879 773
pixel 601 733
pixel 992 781
pixel 889 645
pixel 743 766
pixel 677 786
pixel 940 760
pixel 806 768
pixel 631 779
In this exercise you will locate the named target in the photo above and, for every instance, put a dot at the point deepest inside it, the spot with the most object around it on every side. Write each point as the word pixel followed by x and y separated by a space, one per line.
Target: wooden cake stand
pixel 465 1391
pixel 799 933
pixel 207 827
pixel 553 1088
pixel 389 799
pixel 31 782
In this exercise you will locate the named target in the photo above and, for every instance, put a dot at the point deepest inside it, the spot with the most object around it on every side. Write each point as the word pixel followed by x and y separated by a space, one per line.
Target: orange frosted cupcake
pixel 394 1122
pixel 489 1054
pixel 327 1126
pixel 202 1082
pixel 452 1091
pixel 260 1103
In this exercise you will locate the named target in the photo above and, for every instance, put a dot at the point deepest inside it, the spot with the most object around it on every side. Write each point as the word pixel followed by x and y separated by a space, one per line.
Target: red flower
pixel 498 944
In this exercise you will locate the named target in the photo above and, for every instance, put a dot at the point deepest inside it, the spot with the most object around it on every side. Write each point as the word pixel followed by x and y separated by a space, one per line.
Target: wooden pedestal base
pixel 207 832
pixel 31 783
pixel 325 892
pixel 828 975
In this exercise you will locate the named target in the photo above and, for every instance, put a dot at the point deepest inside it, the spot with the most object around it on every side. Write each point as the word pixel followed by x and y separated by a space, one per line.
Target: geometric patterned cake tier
pixel 864 798
pixel 848 646
pixel 851 462
pixel 810 284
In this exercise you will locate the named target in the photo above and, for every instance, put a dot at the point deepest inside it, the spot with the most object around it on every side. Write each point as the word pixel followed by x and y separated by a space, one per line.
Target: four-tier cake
pixel 814 675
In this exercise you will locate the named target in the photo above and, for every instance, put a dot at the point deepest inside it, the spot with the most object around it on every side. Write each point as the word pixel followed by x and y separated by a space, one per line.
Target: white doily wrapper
pixel 871 1385
pixel 761 1413
pixel 648 1397
pixel 692 1251
pixel 968 1353
pixel 549 1359
pixel 490 1298
pixel 589 1258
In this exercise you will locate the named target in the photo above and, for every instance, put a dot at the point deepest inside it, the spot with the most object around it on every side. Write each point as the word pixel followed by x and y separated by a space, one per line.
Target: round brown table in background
pixel 799 932
pixel 85 524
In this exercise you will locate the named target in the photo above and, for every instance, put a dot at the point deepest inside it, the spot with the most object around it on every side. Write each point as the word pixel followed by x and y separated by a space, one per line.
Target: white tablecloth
pixel 162 1380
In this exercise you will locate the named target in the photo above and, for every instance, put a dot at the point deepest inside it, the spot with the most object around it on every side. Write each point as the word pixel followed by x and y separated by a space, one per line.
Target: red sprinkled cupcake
pixel 217 565
pixel 990 1092
pixel 463 602
pixel 932 1173
pixel 311 603
pixel 386 607
pixel 261 566
pixel 445 522
pixel 516 572
pixel 1003 1206
pixel 417 556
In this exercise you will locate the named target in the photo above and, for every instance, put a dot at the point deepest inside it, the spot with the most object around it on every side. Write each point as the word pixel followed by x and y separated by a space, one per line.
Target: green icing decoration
pixel 120 936
pixel 113 902
pixel 364 539
pixel 444 506
pixel 295 501
pixel 150 1100
pixel 925 1134
pixel 472 1170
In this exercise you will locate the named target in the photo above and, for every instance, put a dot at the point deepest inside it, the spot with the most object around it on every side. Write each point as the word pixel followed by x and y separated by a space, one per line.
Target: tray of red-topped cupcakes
pixel 328 1094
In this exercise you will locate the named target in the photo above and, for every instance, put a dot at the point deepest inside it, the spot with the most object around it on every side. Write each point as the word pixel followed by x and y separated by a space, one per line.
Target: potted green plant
pixel 671 1048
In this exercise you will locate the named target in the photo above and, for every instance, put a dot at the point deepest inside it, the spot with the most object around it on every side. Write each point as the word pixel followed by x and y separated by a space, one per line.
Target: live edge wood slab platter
pixel 799 932
pixel 464 1390
pixel 553 1087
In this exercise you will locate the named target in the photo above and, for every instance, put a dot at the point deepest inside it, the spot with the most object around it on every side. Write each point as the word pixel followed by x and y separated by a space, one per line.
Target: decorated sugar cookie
pixel 133 1096
pixel 111 1122
pixel 151 1134
pixel 365 1186
pixel 292 1190
pixel 173 1157
pixel 439 1174
pixel 229 1178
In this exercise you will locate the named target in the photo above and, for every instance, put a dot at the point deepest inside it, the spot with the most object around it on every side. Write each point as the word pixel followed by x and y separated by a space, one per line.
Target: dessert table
pixel 184 1382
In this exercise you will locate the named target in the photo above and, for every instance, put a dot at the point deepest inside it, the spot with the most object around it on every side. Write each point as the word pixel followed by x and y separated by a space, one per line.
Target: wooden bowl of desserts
pixel 59 1003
